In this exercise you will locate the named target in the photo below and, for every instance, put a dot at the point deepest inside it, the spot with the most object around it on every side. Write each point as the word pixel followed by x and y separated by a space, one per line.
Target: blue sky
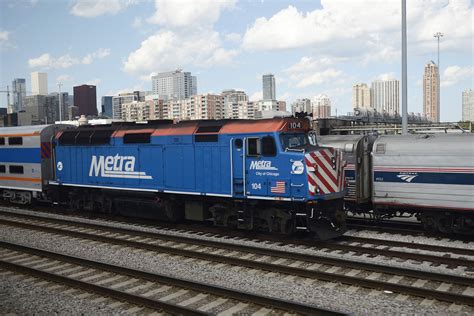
pixel 312 47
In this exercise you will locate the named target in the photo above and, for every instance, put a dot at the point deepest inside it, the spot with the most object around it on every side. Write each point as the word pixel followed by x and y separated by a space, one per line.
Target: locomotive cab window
pixel 2 141
pixel 294 140
pixel 238 143
pixel 253 147
pixel 15 141
pixel 16 169
pixel 268 146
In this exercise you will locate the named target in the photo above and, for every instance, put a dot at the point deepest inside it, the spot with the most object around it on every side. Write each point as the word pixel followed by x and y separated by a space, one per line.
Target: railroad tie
pixel 233 310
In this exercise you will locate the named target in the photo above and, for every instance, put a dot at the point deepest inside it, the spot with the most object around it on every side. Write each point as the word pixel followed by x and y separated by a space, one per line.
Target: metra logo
pixel 262 165
pixel 407 177
pixel 115 167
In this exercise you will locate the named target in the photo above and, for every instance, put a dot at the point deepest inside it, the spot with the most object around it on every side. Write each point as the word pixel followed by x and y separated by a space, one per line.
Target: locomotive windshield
pixel 294 141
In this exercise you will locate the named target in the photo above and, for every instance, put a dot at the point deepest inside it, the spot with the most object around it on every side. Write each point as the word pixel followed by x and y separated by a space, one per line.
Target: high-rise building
pixel 361 96
pixel 235 104
pixel 18 93
pixel 123 98
pixel 39 83
pixel 385 96
pixel 106 106
pixel 268 87
pixel 321 106
pixel 468 105
pixel 44 109
pixel 301 105
pixel 174 84
pixel 431 92
pixel 85 98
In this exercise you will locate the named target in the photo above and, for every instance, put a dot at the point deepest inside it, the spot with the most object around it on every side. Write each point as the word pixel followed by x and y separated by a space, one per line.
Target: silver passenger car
pixel 26 158
pixel 430 175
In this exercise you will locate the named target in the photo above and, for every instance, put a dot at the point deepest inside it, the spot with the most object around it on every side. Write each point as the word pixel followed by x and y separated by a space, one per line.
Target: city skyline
pixel 234 46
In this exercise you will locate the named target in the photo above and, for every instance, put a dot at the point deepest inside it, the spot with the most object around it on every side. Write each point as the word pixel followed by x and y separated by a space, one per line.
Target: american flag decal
pixel 278 188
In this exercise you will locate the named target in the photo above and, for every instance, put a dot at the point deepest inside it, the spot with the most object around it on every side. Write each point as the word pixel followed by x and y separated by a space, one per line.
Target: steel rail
pixel 402 244
pixel 264 301
pixel 330 245
pixel 329 277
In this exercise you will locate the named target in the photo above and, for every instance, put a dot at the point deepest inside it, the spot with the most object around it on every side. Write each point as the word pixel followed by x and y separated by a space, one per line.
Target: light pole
pixel 438 35
pixel 60 107
pixel 404 69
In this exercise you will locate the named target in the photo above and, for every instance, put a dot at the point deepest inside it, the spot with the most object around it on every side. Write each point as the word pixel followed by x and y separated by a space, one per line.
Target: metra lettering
pixel 115 167
pixel 262 165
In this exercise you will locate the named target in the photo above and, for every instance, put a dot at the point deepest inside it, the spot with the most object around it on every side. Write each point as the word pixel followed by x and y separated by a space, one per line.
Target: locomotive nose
pixel 325 168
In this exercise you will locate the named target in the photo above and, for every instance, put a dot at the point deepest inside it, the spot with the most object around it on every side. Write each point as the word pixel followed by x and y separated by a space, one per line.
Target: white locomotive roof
pixel 22 129
pixel 417 145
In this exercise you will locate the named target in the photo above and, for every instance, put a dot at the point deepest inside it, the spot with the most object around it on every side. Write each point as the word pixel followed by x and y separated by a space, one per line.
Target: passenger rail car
pixel 25 162
pixel 429 176
pixel 241 173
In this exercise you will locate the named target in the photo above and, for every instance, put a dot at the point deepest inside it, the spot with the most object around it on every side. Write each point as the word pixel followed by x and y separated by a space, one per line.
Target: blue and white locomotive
pixel 261 174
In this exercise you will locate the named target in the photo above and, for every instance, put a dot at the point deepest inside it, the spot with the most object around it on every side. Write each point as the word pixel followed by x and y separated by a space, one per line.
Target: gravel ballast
pixel 330 296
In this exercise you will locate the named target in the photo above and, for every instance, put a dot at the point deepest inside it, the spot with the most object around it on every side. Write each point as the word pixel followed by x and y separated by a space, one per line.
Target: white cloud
pixel 256 96
pixel 137 22
pixel 167 50
pixel 4 35
pixel 310 71
pixel 386 76
pixel 185 13
pixel 94 82
pixel 319 77
pixel 94 8
pixel 308 64
pixel 46 61
pixel 99 54
pixel 285 96
pixel 363 27
pixel 233 37
pixel 5 41
pixel 455 74
pixel 221 56
pixel 64 78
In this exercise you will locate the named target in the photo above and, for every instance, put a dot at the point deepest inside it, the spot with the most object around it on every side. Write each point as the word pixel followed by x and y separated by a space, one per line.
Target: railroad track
pixel 356 245
pixel 444 287
pixel 143 289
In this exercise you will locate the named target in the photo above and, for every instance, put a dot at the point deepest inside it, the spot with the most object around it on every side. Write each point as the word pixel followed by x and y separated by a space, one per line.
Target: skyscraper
pixel 385 96
pixel 174 84
pixel 39 83
pixel 431 92
pixel 85 98
pixel 19 93
pixel 468 105
pixel 361 96
pixel 235 104
pixel 268 87
pixel 107 107
pixel 301 105
pixel 321 106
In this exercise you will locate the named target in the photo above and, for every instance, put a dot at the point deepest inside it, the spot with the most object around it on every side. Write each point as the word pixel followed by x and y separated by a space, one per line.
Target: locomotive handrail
pixel 243 168
pixel 294 149
pixel 231 167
